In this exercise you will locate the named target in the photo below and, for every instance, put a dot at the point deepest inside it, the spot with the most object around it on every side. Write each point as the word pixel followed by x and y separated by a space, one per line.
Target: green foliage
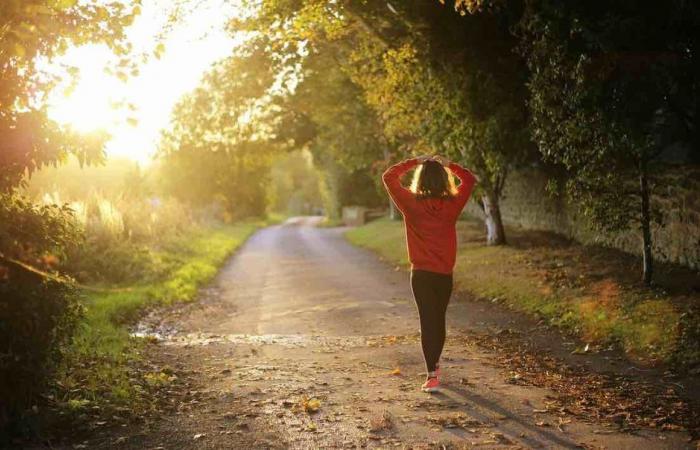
pixel 37 320
pixel 386 237
pixel 119 235
pixel 611 86
pixel 359 187
pixel 37 315
pixel 46 28
pixel 348 144
pixel 346 129
pixel 30 232
pixel 474 6
pixel 453 85
pixel 118 216
pixel 294 185
pixel 223 137
pixel 652 327
pixel 434 81
pixel 95 239
pixel 99 363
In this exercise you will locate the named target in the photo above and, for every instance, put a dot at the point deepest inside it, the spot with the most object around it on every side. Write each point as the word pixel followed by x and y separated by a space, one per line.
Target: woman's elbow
pixel 386 177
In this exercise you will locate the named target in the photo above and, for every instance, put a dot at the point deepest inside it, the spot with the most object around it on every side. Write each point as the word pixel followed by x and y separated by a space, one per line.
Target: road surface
pixel 304 341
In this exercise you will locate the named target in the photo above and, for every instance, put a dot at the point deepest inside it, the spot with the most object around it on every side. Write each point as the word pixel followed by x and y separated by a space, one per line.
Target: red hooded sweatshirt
pixel 431 235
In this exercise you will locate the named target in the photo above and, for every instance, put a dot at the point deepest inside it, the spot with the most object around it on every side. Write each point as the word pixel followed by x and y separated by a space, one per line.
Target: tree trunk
pixel 646 226
pixel 495 233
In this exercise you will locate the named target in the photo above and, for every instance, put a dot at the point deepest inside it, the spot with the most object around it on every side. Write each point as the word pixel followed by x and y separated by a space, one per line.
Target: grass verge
pixel 590 291
pixel 98 371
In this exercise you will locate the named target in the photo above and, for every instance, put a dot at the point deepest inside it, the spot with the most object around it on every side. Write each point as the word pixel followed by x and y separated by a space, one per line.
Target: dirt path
pixel 304 341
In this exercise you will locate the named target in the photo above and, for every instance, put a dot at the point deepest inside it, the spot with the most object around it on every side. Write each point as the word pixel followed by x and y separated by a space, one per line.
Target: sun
pixel 135 111
pixel 91 105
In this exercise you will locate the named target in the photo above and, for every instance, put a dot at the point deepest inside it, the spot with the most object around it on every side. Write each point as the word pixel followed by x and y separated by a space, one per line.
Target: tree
pixel 473 116
pixel 225 133
pixel 612 85
pixel 347 141
pixel 294 185
pixel 437 80
pixel 38 315
pixel 30 29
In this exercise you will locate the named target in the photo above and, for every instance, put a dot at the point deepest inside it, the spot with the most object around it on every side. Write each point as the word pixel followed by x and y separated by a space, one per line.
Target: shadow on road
pixel 512 426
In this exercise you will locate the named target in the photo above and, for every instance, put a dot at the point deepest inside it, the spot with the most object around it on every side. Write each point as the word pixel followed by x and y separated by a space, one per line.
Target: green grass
pixel 590 292
pixel 386 237
pixel 274 218
pixel 98 367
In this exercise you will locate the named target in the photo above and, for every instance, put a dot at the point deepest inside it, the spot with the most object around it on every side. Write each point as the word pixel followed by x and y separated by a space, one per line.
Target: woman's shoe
pixel 431 385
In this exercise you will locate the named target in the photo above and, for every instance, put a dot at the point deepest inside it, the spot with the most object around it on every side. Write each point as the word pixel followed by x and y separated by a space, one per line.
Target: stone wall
pixel 527 204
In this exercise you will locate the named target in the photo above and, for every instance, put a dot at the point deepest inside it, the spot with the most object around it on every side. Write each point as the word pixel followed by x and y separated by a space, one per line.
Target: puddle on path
pixel 285 340
pixel 172 337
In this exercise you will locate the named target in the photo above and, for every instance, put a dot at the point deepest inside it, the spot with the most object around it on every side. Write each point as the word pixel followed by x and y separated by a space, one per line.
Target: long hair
pixel 432 180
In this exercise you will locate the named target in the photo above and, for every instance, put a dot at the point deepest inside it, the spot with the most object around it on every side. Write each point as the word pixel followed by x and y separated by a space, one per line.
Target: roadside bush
pixel 111 261
pixel 37 319
pixel 120 236
pixel 37 314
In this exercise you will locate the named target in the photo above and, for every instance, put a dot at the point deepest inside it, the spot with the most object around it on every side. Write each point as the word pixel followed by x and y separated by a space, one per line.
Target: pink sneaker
pixel 431 385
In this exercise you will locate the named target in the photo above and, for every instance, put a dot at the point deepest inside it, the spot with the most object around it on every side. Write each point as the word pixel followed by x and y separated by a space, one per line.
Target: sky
pixel 191 47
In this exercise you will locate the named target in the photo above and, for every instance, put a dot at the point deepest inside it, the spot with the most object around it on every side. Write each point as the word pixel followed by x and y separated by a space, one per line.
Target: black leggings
pixel 432 294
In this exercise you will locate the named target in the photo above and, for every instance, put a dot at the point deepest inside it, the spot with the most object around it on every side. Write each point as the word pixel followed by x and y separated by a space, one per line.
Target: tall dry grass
pixel 123 236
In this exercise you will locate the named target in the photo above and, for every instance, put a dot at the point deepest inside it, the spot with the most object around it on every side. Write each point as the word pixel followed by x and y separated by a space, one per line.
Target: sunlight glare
pixel 91 105
pixel 99 99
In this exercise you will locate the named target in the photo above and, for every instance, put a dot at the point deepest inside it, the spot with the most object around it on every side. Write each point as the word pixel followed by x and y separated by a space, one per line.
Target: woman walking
pixel 431 208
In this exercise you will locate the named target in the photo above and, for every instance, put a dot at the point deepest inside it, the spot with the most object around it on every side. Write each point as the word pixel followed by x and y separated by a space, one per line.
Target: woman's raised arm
pixel 467 182
pixel 401 196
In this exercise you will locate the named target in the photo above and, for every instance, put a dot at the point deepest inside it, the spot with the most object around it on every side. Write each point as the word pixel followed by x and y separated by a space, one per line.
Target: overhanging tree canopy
pixel 33 29
pixel 436 80
pixel 612 85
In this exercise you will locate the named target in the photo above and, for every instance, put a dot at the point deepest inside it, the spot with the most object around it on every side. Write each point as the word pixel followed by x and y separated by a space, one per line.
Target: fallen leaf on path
pixel 313 405
pixel 199 436
pixel 396 371
pixel 310 405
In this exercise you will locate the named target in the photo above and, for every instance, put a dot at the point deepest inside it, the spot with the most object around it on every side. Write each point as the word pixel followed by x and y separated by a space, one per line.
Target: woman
pixel 430 209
